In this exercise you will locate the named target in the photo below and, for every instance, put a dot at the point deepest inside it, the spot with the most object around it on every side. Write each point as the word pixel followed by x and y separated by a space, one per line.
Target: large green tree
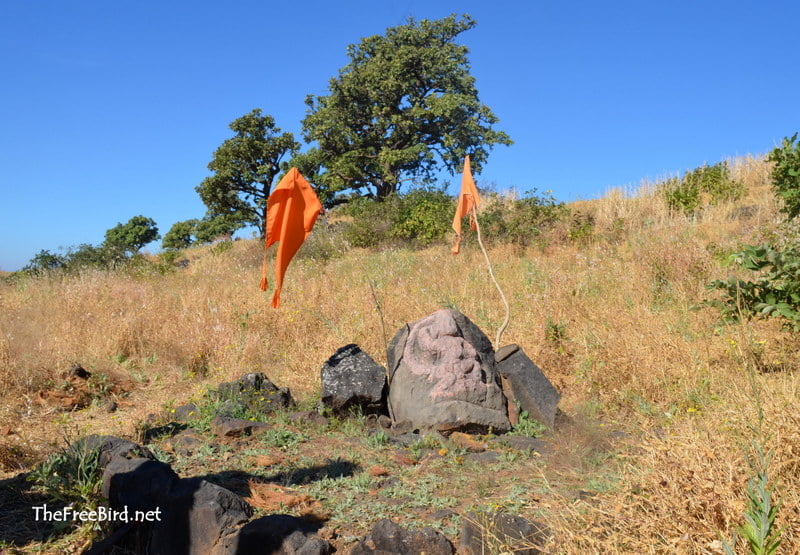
pixel 245 167
pixel 404 106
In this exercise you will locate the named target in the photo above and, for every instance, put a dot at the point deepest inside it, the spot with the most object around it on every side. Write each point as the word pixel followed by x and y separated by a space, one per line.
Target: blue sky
pixel 113 109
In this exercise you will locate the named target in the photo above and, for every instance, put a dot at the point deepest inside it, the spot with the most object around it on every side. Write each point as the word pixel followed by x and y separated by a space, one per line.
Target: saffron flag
pixel 292 210
pixel 467 200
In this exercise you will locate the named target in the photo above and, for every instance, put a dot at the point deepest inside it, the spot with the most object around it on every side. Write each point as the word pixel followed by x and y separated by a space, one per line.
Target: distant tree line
pixel 122 244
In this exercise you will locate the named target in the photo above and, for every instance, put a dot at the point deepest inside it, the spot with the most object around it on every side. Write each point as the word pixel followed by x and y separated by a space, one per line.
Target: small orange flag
pixel 292 210
pixel 466 200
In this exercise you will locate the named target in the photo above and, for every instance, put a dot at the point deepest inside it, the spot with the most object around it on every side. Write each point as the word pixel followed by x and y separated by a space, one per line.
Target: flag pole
pixel 503 326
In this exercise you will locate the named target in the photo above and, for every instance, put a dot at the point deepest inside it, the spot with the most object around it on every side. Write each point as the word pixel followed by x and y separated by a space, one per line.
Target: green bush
pixel 776 292
pixel 786 174
pixel 706 185
pixel 420 217
pixel 519 221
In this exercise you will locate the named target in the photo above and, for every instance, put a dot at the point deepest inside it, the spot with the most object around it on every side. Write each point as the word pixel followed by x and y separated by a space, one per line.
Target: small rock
pixel 500 532
pixel 352 379
pixel 468 442
pixel 226 426
pixel 78 371
pixel 309 418
pixel 185 413
pixel 387 537
pixel 526 384
pixel 486 457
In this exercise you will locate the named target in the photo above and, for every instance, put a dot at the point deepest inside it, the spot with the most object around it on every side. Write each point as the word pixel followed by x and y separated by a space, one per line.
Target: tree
pixel 405 104
pixel 180 235
pixel 244 168
pixel 45 261
pixel 184 234
pixel 130 237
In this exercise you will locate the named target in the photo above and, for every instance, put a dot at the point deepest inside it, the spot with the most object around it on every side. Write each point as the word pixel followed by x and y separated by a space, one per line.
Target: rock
pixel 167 514
pixel 485 457
pixel 185 413
pixel 225 426
pixel 351 379
pixel 467 442
pixel 185 443
pixel 278 534
pixel 198 518
pixel 78 371
pixel 252 393
pixel 139 484
pixel 500 533
pixel 309 418
pixel 110 447
pixel 402 427
pixel 442 376
pixel 387 538
pixel 524 382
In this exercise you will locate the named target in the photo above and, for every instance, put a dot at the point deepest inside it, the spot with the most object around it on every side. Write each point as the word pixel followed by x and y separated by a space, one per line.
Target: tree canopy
pixel 404 105
pixel 130 237
pixel 244 168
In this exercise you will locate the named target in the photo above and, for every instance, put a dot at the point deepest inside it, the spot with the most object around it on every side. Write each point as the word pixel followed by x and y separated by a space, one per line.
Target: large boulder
pixel 442 376
pixel 351 379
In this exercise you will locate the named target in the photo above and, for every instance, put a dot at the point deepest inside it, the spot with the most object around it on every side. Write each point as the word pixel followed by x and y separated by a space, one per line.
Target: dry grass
pixel 630 352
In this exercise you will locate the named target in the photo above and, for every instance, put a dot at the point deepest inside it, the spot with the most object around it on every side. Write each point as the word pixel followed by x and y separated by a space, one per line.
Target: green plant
pixel 775 294
pixel 377 440
pixel 527 426
pixel 758 529
pixel 520 221
pixel 699 187
pixel 71 476
pixel 786 174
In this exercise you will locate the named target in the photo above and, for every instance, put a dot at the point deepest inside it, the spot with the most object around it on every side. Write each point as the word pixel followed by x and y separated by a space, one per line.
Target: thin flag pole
pixel 504 325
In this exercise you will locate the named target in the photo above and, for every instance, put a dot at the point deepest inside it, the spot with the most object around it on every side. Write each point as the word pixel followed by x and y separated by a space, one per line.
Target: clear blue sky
pixel 113 109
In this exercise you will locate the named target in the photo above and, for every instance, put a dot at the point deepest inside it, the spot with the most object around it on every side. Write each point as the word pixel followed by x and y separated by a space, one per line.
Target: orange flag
pixel 466 200
pixel 292 210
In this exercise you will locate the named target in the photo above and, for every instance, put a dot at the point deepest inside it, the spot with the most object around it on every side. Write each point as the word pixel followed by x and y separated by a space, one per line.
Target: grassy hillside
pixel 606 313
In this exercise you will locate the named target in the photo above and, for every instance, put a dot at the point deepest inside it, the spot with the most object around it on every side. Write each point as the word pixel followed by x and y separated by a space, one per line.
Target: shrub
pixel 706 185
pixel 776 292
pixel 421 216
pixel 786 174
pixel 520 221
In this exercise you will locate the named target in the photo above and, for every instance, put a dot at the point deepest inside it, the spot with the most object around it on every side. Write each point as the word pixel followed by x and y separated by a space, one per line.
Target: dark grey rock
pixel 198 518
pixel 252 393
pixel 309 418
pixel 185 443
pixel 225 426
pixel 139 484
pixel 442 376
pixel 388 538
pixel 110 447
pixel 78 371
pixel 527 384
pixel 352 379
pixel 500 533
pixel 186 413
pixel 279 535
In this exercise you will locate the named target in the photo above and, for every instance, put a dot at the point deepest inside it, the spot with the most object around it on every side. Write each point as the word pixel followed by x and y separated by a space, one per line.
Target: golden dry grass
pixel 630 352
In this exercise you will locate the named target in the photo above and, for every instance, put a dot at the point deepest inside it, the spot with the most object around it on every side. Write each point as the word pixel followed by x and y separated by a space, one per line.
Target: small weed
pixel 527 426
